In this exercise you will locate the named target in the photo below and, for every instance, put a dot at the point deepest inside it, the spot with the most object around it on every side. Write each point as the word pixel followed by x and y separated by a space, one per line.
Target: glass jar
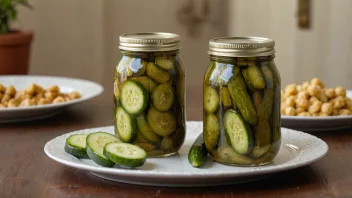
pixel 149 93
pixel 242 101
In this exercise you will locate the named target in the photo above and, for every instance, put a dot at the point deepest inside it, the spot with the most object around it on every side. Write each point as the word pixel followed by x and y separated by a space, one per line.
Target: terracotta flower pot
pixel 15 52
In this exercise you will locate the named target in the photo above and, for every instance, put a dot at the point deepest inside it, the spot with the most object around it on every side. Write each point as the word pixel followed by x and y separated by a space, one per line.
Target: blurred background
pixel 80 38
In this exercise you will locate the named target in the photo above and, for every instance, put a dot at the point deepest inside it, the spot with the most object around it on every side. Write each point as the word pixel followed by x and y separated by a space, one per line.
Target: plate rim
pixel 100 90
pixel 131 172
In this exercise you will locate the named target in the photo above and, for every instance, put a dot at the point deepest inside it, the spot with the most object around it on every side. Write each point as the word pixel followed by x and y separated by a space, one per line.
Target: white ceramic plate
pixel 325 123
pixel 297 149
pixel 87 89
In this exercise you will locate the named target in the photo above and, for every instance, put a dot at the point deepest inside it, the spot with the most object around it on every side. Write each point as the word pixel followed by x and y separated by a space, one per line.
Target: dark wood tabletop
pixel 25 170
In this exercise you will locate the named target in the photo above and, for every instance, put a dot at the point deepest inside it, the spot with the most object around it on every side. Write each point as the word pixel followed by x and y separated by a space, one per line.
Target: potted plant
pixel 14 43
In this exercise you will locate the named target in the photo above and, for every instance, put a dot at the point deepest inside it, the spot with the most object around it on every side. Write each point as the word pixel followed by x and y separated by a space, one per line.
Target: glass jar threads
pixel 149 93
pixel 241 123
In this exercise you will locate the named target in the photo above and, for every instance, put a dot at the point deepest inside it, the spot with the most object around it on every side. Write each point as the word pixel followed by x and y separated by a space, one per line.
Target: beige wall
pixel 323 51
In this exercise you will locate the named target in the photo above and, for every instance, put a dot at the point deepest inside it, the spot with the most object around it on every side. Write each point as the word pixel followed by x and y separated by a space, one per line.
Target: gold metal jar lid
pixel 150 41
pixel 241 46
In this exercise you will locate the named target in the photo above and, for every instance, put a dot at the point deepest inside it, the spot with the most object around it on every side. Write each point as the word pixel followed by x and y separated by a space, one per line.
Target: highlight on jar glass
pixel 241 101
pixel 149 93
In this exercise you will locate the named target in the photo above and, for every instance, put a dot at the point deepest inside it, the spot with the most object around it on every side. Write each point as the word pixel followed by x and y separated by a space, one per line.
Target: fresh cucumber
pixel 157 74
pixel 161 123
pixel 147 83
pixel 238 132
pixel 95 147
pixel 164 62
pixel 126 125
pixel 124 154
pixel 163 97
pixel 211 131
pixel 211 99
pixel 134 97
pixel 145 131
pixel 76 145
pixel 197 154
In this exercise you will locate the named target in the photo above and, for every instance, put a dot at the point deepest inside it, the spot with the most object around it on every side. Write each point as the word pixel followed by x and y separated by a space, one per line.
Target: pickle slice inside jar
pixel 211 99
pixel 211 131
pixel 164 62
pixel 161 123
pixel 163 97
pixel 157 74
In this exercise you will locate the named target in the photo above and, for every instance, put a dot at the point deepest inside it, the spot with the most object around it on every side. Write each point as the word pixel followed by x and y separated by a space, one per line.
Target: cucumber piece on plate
pixel 124 154
pixel 126 125
pixel 163 97
pixel 95 147
pixel 238 132
pixel 134 97
pixel 76 145
pixel 197 154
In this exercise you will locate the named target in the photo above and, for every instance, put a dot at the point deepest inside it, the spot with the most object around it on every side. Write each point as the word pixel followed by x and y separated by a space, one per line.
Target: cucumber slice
pixel 211 99
pixel 76 145
pixel 238 132
pixel 126 125
pixel 164 62
pixel 147 147
pixel 125 154
pixel 161 123
pixel 134 97
pixel 95 147
pixel 211 131
pixel 139 139
pixel 145 130
pixel 197 154
pixel 173 141
pixel 148 83
pixel 163 97
pixel 157 74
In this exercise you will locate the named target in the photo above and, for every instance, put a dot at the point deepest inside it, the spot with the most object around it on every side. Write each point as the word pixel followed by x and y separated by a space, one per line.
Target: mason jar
pixel 241 123
pixel 149 93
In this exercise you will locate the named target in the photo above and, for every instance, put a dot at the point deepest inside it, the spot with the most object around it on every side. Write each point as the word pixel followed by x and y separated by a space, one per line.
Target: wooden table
pixel 25 170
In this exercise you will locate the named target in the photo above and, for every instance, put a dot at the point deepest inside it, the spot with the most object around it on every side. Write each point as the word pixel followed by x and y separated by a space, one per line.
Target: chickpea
pixel 290 102
pixel 67 98
pixel 350 108
pixel 326 108
pixel 34 101
pixel 317 81
pixel 25 96
pixel 61 94
pixel 50 95
pixel 312 90
pixel 348 102
pixel 290 90
pixel 322 96
pixel 39 89
pixel 290 111
pixel 323 114
pixel 26 102
pixel 305 85
pixel 338 102
pixel 53 88
pixel 18 95
pixel 330 92
pixel 1 95
pixel 299 88
pixel 345 112
pixel 74 95
pixel 10 90
pixel 304 114
pixel 312 100
pixel 340 91
pixel 5 98
pixel 2 88
pixel 30 89
pixel 2 106
pixel 315 114
pixel 299 110
pixel 303 94
pixel 303 103
pixel 43 101
pixel 13 103
pixel 335 112
pixel 58 99
pixel 39 96
pixel 315 107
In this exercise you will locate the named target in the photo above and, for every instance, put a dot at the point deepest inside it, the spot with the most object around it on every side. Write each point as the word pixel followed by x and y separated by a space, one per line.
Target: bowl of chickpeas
pixel 24 98
pixel 311 106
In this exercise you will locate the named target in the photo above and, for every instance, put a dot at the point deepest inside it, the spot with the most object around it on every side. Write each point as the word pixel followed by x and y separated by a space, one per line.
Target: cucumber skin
pixel 123 161
pixel 99 160
pixel 211 135
pixel 145 94
pixel 75 152
pixel 197 154
pixel 215 99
